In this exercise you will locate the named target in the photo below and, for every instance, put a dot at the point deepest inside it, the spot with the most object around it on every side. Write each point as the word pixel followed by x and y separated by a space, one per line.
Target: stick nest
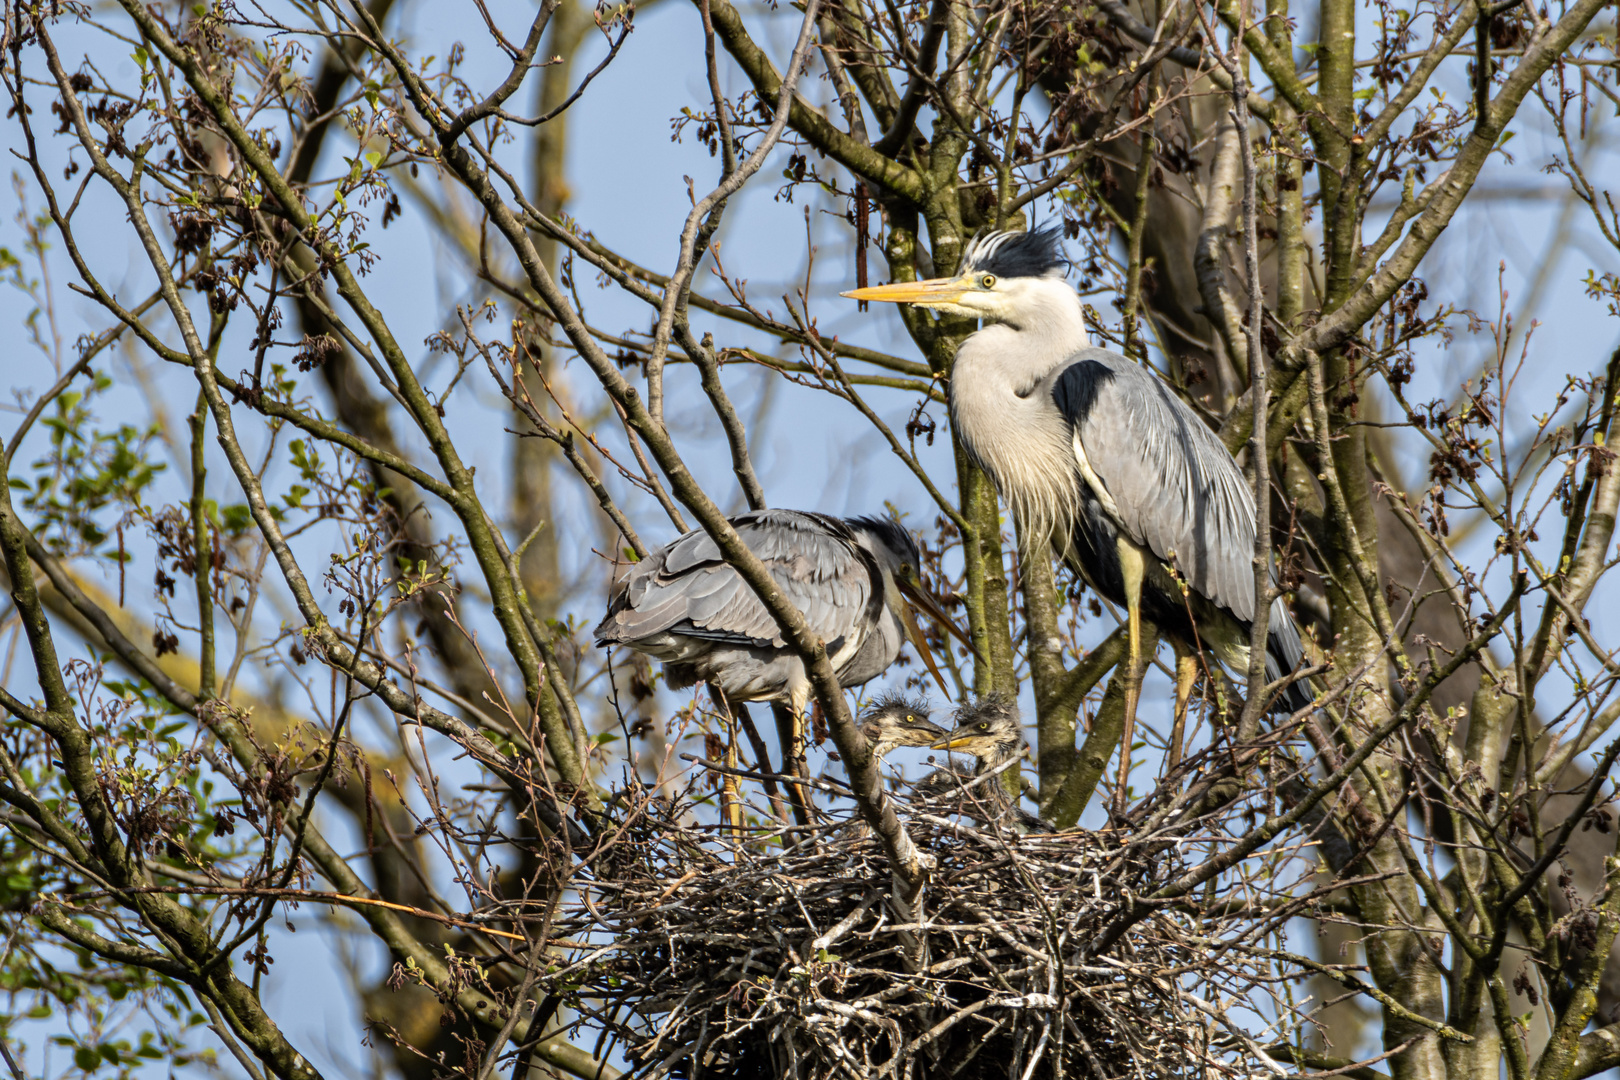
pixel 797 964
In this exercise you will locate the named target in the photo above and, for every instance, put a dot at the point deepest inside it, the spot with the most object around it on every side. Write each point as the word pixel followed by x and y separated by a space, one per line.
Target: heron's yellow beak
pixel 931 293
pixel 915 632
pixel 949 743
pixel 912 593
pixel 912 589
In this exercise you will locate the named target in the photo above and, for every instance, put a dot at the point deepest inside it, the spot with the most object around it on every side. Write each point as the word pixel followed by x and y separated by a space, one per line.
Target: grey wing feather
pixel 686 587
pixel 1176 487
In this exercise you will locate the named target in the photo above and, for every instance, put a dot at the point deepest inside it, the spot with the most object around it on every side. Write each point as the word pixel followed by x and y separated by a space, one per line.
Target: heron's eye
pixel 988 281
pixel 984 727
pixel 910 718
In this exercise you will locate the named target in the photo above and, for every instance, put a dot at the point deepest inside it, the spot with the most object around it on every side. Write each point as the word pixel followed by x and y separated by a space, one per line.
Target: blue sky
pixel 626 177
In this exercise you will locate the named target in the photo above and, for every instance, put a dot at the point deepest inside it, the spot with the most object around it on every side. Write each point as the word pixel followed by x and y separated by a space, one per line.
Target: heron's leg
pixel 1132 565
pixel 790 730
pixel 762 759
pixel 1186 676
pixel 730 792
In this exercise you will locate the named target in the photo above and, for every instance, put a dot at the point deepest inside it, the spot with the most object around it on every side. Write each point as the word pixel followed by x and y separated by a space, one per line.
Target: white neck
pixel 1015 434
pixel 1039 326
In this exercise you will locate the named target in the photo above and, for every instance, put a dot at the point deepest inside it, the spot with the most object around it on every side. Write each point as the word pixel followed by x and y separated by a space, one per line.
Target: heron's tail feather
pixel 1284 652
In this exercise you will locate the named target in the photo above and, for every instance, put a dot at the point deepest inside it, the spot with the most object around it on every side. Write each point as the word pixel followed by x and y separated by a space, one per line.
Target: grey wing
pixel 1174 486
pixel 686 587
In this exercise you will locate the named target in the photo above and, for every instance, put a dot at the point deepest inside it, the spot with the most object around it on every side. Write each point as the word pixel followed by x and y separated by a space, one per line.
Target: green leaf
pixel 236 519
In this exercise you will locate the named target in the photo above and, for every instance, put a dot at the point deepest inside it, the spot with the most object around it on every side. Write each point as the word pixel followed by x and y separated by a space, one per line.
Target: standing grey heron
pixel 1098 454
pixel 851 577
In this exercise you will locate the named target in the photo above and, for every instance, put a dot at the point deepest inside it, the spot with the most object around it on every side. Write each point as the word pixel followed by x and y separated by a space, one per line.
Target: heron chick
pixel 1096 453
pixel 895 720
pixel 991 731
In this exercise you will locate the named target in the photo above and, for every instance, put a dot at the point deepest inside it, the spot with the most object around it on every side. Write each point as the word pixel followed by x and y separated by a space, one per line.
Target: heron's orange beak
pixel 931 293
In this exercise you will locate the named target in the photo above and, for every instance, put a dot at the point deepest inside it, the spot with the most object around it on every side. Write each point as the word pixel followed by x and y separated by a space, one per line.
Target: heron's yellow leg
pixel 1186 676
pixel 799 696
pixel 730 793
pixel 1132 565
pixel 790 729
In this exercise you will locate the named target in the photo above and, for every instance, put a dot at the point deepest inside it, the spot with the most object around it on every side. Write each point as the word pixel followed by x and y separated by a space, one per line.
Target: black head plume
pixel 1037 253
pixel 892 535
pixel 894 701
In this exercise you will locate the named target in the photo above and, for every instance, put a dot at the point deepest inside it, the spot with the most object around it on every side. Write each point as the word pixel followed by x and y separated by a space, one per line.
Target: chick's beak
pixel 952 741
pixel 930 293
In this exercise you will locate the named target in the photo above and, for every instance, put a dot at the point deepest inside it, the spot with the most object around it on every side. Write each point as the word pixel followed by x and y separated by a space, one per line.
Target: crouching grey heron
pixel 1098 454
pixel 851 577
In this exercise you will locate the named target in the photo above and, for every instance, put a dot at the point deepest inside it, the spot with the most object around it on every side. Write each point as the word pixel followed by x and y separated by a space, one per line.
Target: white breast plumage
pixel 1027 449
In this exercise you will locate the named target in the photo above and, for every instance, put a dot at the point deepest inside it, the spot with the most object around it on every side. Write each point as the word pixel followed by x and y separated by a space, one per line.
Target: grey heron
pixel 851 577
pixel 894 720
pixel 1099 455
pixel 990 730
pixel 891 721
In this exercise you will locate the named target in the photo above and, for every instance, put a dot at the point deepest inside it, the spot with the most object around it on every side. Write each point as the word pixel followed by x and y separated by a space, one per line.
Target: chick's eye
pixel 984 727
pixel 910 718
pixel 988 281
